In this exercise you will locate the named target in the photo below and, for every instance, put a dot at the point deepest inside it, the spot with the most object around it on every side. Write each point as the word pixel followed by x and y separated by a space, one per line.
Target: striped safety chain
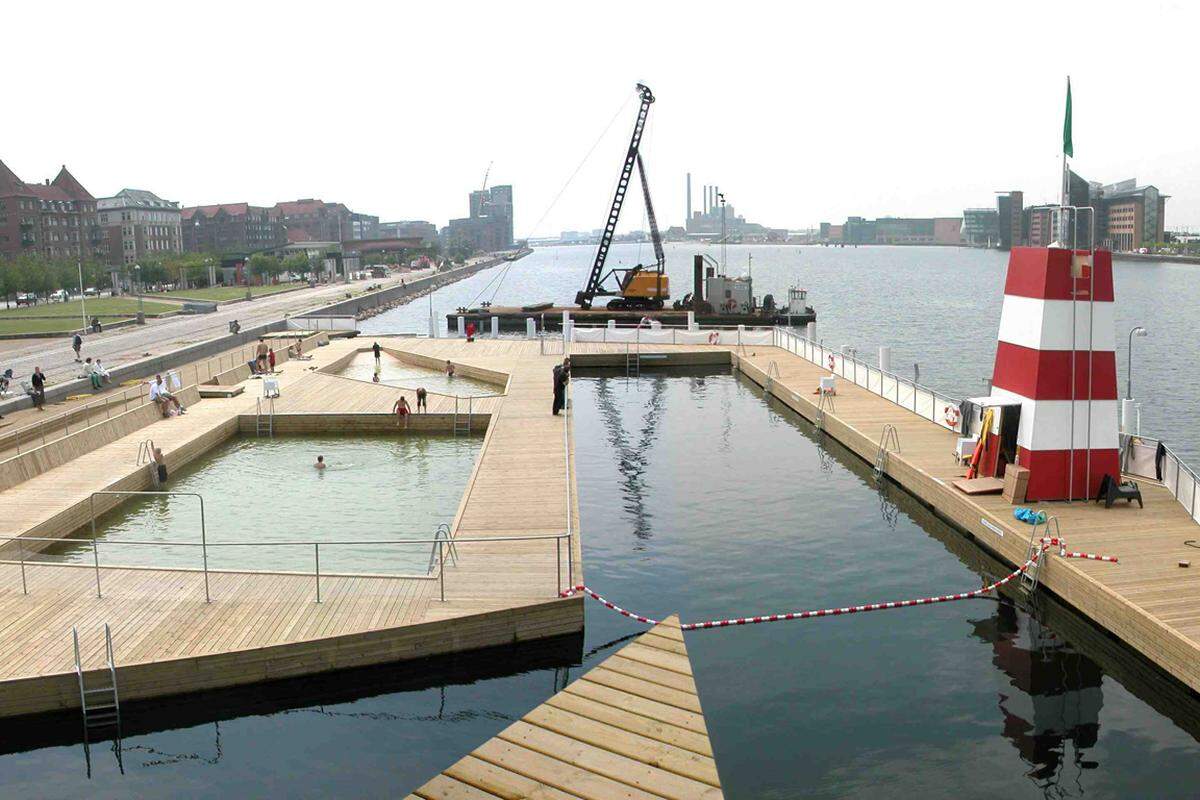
pixel 1047 543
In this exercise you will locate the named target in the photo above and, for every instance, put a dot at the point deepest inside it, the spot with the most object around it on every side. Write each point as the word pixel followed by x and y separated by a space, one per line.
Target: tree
pixel 264 267
pixel 297 264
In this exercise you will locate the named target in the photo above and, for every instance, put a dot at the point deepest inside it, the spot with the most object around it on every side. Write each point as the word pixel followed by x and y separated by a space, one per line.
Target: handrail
pixel 124 493
pixel 804 345
pixel 444 543
pixel 567 468
pixel 19 434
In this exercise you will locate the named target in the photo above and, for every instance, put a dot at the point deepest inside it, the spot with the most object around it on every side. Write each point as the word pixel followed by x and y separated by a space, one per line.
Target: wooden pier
pixel 258 625
pixel 630 728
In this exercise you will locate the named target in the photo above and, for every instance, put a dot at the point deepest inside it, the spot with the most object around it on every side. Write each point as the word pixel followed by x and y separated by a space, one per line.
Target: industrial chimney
pixel 689 199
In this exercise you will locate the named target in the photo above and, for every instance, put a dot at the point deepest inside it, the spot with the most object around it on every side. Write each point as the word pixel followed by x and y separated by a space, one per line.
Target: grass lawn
pixel 221 293
pixel 118 306
pixel 18 325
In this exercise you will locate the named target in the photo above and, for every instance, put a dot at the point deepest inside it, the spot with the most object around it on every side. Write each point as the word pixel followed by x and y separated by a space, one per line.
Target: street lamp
pixel 1137 331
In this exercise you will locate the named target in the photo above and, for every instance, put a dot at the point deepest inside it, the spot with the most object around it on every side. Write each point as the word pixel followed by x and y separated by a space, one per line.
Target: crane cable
pixel 537 226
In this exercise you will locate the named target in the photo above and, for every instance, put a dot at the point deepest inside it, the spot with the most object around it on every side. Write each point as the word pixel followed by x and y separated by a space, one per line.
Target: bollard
pixel 810 331
pixel 691 321
pixel 433 328
pixel 530 328
pixel 885 358
pixel 462 326
pixel 495 327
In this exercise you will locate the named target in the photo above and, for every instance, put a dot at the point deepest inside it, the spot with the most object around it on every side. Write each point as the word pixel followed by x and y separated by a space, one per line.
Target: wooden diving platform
pixel 632 728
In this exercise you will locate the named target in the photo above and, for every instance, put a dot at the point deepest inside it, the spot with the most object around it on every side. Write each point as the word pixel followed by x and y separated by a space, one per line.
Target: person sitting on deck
pixel 166 401
pixel 6 381
pixel 401 410
pixel 89 371
pixel 102 371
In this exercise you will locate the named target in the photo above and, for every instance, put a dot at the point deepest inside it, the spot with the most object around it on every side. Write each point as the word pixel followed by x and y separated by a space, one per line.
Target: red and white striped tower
pixel 1056 357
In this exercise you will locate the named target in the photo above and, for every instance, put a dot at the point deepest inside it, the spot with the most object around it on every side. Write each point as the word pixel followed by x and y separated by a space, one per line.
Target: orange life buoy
pixel 952 416
pixel 714 337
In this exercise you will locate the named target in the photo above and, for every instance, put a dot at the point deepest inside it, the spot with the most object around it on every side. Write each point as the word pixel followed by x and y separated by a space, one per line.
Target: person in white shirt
pixel 102 371
pixel 160 395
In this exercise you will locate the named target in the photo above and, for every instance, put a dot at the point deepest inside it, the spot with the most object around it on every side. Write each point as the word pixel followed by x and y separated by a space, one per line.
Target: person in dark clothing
pixel 39 388
pixel 562 376
pixel 421 397
pixel 76 345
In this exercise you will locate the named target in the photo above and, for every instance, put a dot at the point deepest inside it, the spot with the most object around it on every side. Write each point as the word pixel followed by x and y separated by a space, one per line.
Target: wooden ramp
pixel 632 727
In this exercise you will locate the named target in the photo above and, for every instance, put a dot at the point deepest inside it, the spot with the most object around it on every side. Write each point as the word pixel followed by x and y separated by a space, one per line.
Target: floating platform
pixel 549 318
pixel 632 727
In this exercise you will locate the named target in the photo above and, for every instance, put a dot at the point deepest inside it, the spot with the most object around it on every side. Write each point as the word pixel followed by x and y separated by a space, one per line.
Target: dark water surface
pixel 699 497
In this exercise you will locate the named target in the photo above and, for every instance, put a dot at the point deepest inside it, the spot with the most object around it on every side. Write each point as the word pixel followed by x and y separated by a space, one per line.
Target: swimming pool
pixel 395 372
pixel 267 491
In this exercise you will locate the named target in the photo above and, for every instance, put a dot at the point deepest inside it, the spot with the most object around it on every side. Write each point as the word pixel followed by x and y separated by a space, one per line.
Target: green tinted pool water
pixel 268 491
pixel 395 372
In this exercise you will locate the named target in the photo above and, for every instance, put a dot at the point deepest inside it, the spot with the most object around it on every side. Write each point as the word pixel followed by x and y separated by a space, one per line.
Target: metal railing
pixel 37 433
pixel 567 469
pixel 921 400
pixel 1179 479
pixel 443 544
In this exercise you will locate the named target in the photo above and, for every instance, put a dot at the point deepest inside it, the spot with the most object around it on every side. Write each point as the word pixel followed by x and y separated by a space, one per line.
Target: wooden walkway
pixel 630 728
pixel 262 625
pixel 1146 600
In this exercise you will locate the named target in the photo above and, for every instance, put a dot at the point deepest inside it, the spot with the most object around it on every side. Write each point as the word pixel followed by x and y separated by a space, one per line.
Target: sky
pixel 801 112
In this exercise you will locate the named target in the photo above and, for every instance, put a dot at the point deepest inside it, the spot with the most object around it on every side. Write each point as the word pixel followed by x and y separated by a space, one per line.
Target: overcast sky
pixel 802 112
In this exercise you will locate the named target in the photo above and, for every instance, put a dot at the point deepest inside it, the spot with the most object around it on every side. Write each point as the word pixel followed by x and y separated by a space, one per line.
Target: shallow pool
pixel 268 491
pixel 395 372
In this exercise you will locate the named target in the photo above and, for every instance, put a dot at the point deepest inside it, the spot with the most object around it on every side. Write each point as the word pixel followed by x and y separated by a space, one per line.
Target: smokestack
pixel 689 199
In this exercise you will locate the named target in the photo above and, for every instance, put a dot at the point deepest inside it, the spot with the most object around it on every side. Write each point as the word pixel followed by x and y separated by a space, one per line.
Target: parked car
pixel 91 291
pixel 60 296
pixel 27 299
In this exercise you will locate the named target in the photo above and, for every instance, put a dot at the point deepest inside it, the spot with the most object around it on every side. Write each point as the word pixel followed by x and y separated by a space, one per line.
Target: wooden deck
pixel 630 728
pixel 263 625
pixel 1146 600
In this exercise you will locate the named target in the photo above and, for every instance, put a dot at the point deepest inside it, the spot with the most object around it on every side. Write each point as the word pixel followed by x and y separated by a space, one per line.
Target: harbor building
pixel 707 223
pixel 138 223
pixel 981 226
pixel 896 230
pixel 318 220
pixel 230 227
pixel 1133 215
pixel 416 228
pixel 1009 213
pixel 55 219
pixel 489 228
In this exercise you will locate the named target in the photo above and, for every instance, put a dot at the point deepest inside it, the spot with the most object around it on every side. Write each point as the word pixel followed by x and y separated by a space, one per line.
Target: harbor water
pixel 699 496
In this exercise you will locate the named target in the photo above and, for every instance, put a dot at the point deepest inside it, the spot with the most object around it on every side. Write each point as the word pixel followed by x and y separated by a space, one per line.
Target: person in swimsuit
pixel 320 462
pixel 401 410
pixel 449 369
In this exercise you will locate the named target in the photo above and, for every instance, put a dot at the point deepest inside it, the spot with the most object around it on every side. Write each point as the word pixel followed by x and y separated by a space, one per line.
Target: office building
pixel 1010 207
pixel 54 219
pixel 230 228
pixel 489 228
pixel 407 229
pixel 138 223
pixel 1134 216
pixel 981 227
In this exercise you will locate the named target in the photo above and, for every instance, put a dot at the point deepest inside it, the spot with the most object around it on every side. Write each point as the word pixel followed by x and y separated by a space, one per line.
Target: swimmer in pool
pixel 320 462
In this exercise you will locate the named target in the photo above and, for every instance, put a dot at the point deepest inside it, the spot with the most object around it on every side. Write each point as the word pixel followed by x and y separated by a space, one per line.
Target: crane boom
pixel 595 280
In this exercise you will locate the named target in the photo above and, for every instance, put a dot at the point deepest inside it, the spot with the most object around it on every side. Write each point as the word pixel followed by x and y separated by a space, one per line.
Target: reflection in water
pixel 1058 697
pixel 633 459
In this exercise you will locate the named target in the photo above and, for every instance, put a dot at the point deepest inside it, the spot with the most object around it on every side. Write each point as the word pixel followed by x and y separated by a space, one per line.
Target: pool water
pixel 267 490
pixel 395 372
pixel 699 496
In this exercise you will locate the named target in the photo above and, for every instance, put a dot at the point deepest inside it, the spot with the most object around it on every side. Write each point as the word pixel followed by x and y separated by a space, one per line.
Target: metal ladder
pixel 101 705
pixel 145 452
pixel 1031 577
pixel 772 374
pixel 265 423
pixel 888 440
pixel 462 423
pixel 633 362
pixel 824 401
pixel 442 552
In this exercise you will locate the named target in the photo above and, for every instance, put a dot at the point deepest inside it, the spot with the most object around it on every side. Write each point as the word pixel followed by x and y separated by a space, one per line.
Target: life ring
pixel 714 337
pixel 952 416
pixel 831 362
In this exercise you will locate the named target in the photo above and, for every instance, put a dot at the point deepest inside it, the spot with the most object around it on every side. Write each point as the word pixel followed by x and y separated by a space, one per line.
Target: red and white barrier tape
pixel 833 612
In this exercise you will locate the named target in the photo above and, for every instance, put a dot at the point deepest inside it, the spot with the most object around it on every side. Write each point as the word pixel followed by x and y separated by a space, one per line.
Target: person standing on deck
pixel 470 331
pixel 260 354
pixel 77 345
pixel 421 395
pixel 401 410
pixel 38 380
pixel 562 376
pixel 377 350
pixel 271 359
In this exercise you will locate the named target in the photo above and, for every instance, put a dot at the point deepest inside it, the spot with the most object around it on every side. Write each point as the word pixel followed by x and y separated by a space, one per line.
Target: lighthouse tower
pixel 1056 357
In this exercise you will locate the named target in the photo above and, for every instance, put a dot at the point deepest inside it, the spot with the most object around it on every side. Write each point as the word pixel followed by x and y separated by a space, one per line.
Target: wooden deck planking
pixel 571 746
pixel 1146 599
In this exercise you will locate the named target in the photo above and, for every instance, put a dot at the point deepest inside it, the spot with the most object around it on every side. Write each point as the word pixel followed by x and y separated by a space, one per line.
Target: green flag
pixel 1068 148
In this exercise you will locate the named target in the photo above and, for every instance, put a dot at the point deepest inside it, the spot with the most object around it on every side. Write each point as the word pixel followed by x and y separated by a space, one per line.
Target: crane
pixel 636 287
pixel 487 172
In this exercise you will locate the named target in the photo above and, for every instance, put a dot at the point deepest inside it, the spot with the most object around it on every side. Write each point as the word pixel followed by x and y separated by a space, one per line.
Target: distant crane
pixel 640 286
pixel 487 172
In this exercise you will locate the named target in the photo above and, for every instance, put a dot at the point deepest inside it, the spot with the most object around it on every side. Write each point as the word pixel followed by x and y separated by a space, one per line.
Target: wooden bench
pixel 209 390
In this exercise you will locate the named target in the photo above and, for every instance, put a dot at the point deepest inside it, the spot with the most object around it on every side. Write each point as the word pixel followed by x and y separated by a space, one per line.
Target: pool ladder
pixel 101 705
pixel 265 423
pixel 824 401
pixel 145 452
pixel 633 362
pixel 1031 577
pixel 888 440
pixel 772 375
pixel 462 422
